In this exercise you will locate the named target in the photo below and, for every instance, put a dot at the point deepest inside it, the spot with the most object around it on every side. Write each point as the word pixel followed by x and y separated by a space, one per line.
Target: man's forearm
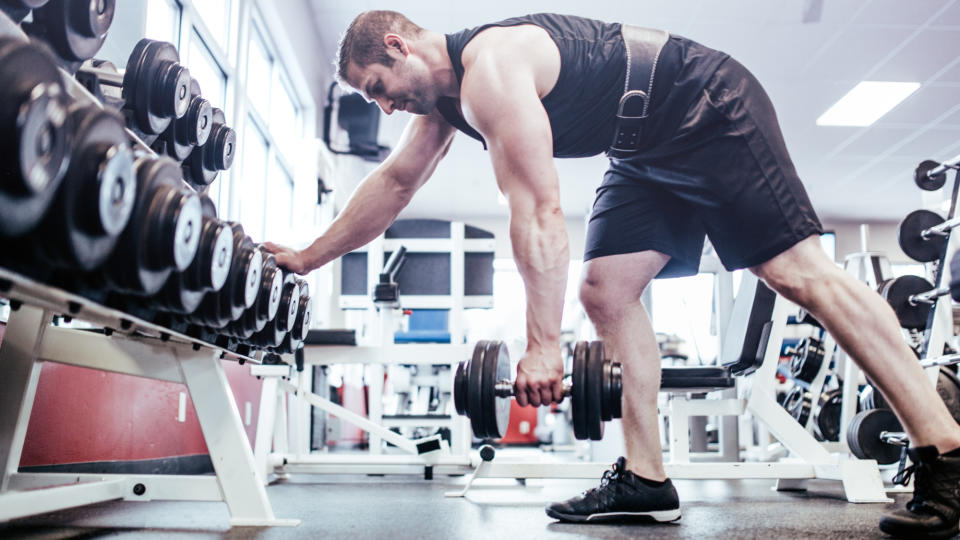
pixel 373 206
pixel 542 253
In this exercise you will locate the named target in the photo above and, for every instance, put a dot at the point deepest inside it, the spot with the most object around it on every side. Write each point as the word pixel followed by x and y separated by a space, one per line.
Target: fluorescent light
pixel 501 198
pixel 866 103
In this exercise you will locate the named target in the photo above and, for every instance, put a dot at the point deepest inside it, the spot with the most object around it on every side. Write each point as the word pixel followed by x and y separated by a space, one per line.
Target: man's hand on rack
pixel 289 258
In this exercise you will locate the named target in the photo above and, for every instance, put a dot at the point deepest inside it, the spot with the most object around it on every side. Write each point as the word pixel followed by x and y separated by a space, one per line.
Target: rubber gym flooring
pixel 406 507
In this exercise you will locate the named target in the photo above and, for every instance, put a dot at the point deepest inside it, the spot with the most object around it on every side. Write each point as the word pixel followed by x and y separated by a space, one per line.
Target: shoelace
pixel 928 485
pixel 605 497
pixel 613 474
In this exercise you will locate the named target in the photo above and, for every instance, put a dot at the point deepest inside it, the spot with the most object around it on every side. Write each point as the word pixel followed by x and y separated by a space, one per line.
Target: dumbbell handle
pixel 505 388
pixel 943 229
pixel 105 76
pixel 928 297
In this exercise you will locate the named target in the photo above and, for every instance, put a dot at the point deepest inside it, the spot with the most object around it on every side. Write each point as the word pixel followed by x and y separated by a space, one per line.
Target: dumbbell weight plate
pixel 578 391
pixel 95 200
pixel 156 87
pixel 798 403
pixel 897 293
pixel 496 367
pixel 807 360
pixel 616 388
pixel 606 402
pixel 460 389
pixel 76 29
pixel 826 417
pixel 909 236
pixel 863 435
pixel 34 138
pixel 594 397
pixel 925 182
pixel 475 391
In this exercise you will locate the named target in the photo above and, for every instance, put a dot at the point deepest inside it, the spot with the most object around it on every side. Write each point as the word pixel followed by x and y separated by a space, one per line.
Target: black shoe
pixel 621 496
pixel 934 510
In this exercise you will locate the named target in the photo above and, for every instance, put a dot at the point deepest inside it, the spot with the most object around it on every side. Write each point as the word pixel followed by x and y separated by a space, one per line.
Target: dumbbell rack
pixel 130 346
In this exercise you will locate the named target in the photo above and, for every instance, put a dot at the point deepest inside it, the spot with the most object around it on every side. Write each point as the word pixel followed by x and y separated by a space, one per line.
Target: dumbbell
pixel 208 272
pixel 294 338
pixel 240 290
pixel 95 200
pixel 154 87
pixel 931 175
pixel 806 359
pixel 189 131
pixel 911 297
pixel 75 29
pixel 205 162
pixel 482 390
pixel 923 234
pixel 275 330
pixel 265 305
pixel 34 135
pixel 876 434
pixel 163 232
pixel 18 10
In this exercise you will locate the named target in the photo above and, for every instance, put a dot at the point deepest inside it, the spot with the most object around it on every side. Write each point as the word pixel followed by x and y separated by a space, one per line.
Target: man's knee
pixel 607 290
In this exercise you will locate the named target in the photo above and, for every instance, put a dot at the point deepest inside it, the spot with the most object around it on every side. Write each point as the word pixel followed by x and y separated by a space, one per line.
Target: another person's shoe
pixel 621 497
pixel 934 510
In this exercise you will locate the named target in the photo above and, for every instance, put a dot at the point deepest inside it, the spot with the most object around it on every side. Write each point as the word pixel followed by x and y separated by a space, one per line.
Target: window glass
pixel 216 16
pixel 284 122
pixel 259 66
pixel 207 72
pixel 252 181
pixel 163 21
pixel 279 216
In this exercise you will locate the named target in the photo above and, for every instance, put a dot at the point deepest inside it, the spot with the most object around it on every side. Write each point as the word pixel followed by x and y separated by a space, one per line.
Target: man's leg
pixel 866 328
pixel 610 292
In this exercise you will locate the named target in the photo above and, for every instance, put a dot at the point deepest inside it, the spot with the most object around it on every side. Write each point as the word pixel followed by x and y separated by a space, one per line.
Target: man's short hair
pixel 362 43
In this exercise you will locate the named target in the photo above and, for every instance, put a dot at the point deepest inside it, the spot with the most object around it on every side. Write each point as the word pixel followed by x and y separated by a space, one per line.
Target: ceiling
pixel 851 173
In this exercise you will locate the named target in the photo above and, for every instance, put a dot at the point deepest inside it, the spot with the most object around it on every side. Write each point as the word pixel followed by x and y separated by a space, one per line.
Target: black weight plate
pixel 475 394
pixel 616 372
pixel 606 401
pixel 460 389
pixel 863 436
pixel 594 396
pixel 826 417
pixel 798 403
pixel 578 392
pixel 897 293
pixel 496 367
pixel 806 362
pixel 926 182
pixel 948 386
pixel 911 240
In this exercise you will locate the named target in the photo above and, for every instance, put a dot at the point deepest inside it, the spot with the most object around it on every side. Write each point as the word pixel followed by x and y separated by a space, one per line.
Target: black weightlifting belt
pixel 643 50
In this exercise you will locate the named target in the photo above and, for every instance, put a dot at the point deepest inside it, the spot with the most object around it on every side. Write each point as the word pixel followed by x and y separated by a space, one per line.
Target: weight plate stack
pixel 75 29
pixel 826 416
pixel 34 141
pixel 897 293
pixel 807 360
pixel 496 367
pixel 911 240
pixel 798 403
pixel 240 289
pixel 156 88
pixel 594 385
pixel 205 162
pixel 191 130
pixel 475 391
pixel 163 232
pixel 863 435
pixel 294 338
pixel 273 333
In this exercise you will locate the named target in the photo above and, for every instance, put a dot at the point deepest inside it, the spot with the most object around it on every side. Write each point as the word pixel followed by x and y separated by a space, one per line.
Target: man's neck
pixel 441 67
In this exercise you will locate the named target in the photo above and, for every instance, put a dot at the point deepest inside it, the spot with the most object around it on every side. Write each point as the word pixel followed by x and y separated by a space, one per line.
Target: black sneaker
pixel 621 496
pixel 934 510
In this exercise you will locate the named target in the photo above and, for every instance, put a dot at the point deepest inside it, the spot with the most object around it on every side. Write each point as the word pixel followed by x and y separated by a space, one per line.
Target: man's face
pixel 406 86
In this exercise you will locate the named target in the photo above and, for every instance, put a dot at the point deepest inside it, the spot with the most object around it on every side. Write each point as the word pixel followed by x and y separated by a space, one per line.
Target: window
pixel 259 68
pixel 163 21
pixel 279 201
pixel 284 120
pixel 207 72
pixel 252 181
pixel 216 16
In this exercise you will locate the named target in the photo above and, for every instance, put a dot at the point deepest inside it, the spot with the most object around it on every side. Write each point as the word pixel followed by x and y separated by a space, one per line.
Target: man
pixel 710 160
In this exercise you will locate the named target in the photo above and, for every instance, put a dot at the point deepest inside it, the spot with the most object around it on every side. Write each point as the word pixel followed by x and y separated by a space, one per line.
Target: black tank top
pixel 583 102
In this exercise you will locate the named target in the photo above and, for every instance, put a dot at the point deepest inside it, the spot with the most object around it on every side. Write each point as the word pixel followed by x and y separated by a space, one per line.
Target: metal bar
pixel 152 487
pixel 140 357
pixel 17 504
pixel 363 423
pixel 944 166
pixel 929 297
pixel 18 384
pixel 947 360
pixel 429 354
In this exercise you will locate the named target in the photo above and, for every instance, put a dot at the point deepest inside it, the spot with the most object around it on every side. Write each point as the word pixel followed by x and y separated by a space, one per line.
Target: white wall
pixel 882 238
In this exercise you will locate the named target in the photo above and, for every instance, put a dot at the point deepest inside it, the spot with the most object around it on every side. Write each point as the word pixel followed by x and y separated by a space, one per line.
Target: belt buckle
pixel 629 127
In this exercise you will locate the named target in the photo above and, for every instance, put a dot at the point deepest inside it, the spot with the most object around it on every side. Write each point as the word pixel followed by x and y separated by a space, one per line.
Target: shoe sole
pixel 658 516
pixel 900 532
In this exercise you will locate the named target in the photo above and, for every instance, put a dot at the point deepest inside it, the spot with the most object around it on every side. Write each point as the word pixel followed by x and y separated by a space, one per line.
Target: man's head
pixel 380 57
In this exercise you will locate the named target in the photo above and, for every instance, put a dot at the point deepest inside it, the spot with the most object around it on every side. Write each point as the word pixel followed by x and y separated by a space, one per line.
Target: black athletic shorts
pixel 723 171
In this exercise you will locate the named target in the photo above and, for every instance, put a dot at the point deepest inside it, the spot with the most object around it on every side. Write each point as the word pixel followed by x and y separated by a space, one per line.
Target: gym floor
pixel 400 507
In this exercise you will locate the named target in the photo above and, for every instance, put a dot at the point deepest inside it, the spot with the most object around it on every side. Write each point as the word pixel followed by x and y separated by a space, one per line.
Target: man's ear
pixel 396 45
